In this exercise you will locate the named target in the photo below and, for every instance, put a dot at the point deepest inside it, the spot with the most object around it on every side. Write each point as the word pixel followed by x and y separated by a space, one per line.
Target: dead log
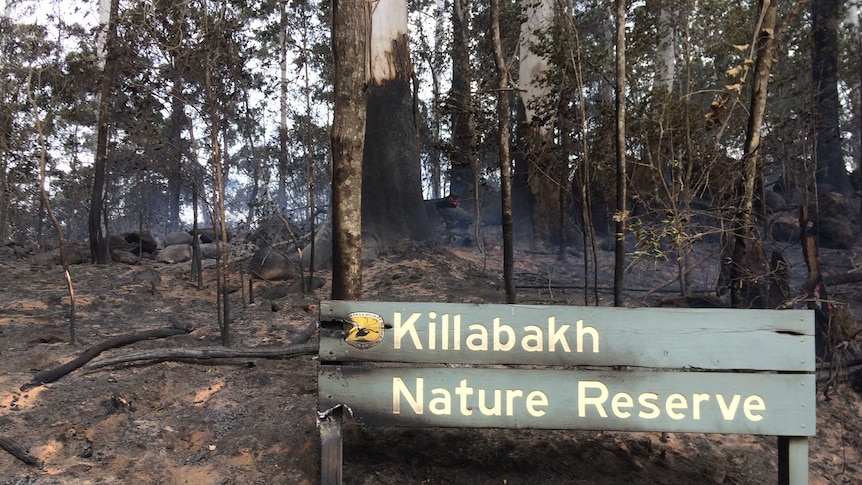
pixel 52 375
pixel 18 451
pixel 843 278
pixel 206 353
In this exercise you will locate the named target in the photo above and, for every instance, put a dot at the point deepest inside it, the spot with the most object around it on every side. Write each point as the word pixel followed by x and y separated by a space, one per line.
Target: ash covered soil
pixel 253 420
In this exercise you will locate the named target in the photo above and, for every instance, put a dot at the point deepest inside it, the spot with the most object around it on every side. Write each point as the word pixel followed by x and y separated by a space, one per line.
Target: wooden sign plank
pixel 707 402
pixel 712 339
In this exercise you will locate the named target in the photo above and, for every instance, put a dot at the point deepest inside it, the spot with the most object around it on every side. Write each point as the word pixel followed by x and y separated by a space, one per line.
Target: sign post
pixel 558 367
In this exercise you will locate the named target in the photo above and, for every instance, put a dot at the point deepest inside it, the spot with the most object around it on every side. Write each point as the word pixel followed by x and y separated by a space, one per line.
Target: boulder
pixel 835 232
pixel 270 264
pixel 322 247
pixel 210 250
pixel 175 254
pixel 119 243
pixel 831 204
pixel 125 257
pixel 774 201
pixel 176 238
pixel 207 235
pixel 785 229
pixel 143 240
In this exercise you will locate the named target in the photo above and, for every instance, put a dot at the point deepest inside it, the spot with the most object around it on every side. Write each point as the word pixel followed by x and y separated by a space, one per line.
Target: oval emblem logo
pixel 365 329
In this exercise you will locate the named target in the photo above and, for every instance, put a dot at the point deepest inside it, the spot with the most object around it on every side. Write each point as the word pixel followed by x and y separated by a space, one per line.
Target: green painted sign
pixel 711 339
pixel 709 402
pixel 559 367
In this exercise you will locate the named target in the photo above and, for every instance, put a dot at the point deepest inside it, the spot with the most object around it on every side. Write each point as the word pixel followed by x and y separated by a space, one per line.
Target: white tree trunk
pixel 388 23
pixel 665 68
pixel 101 39
pixel 539 15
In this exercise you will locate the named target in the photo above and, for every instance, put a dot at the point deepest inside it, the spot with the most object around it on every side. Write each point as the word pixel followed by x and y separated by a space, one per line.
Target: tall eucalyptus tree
pixel 537 136
pixel 98 243
pixel 392 207
pixel 827 105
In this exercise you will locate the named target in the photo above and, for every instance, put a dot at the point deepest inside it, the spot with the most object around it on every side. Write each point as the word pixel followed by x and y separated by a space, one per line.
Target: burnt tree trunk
pixel 393 209
pixel 463 148
pixel 749 265
pixel 503 155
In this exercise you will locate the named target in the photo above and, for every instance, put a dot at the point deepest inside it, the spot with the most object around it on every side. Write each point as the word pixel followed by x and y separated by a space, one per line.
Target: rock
pixel 175 254
pixel 125 257
pixel 176 238
pixel 143 240
pixel 835 232
pixel 44 259
pixel 270 264
pixel 209 250
pixel 322 248
pixel 75 255
pixel 120 243
pixel 785 229
pixel 206 235
pixel 835 203
pixel 774 201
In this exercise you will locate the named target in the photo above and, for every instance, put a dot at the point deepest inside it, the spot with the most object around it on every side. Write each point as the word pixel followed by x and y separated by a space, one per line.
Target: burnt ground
pixel 253 421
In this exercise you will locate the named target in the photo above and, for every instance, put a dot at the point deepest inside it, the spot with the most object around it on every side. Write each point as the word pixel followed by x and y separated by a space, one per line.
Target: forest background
pixel 144 115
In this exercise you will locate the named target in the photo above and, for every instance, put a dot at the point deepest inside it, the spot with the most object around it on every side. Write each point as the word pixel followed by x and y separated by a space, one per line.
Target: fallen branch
pixel 829 375
pixel 18 451
pixel 206 353
pixel 52 375
pixel 842 278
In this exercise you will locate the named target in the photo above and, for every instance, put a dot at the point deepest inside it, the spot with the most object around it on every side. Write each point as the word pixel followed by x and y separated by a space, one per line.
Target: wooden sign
pixel 711 402
pixel 563 367
pixel 711 339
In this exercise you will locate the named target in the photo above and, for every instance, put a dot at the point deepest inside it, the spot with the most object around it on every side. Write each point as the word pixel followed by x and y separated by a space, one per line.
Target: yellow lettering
pixel 751 404
pixel 500 330
pixel 399 389
pixel 535 399
pixel 556 335
pixel 592 332
pixel 406 328
pixel 673 402
pixel 647 400
pixel 584 401
pixel 696 400
pixel 511 394
pixel 532 341
pixel 479 339
pixel 728 411
pixel 619 401
pixel 494 409
pixel 442 404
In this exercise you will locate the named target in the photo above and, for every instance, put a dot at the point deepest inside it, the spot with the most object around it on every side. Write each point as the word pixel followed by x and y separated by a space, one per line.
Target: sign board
pixel 712 402
pixel 563 367
pixel 710 339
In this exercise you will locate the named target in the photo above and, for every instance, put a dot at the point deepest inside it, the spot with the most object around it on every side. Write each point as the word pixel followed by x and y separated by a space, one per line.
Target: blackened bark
pixel 461 176
pixel 392 204
pixel 749 266
pixel 503 155
pixel 827 107
pixel 620 108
